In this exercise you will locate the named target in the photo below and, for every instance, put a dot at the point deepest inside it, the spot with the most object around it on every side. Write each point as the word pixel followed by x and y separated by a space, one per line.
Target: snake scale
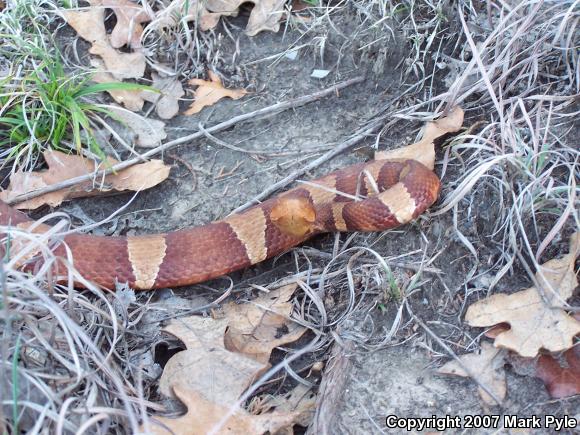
pixel 372 196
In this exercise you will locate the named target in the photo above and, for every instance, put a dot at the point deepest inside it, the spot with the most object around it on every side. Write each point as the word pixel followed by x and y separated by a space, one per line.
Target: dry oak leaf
pixel 265 15
pixel 301 400
pixel 206 366
pixel 64 166
pixel 148 132
pixel 188 10
pixel 132 99
pixel 257 327
pixel 130 17
pixel 167 100
pixel 560 381
pixel 90 25
pixel 535 319
pixel 487 366
pixel 204 417
pixel 210 92
pixel 424 150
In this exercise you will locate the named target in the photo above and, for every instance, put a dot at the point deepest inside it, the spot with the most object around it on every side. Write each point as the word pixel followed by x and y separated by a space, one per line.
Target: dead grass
pixel 81 361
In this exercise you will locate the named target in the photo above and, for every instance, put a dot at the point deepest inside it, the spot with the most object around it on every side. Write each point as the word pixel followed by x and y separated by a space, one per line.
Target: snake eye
pixel 294 216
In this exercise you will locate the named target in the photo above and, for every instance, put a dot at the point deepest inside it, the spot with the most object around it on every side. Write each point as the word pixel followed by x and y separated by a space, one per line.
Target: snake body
pixel 372 196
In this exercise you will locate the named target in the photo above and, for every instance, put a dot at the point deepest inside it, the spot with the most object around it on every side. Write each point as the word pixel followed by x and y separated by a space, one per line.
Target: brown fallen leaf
pixel 560 381
pixel 188 10
pixel 204 417
pixel 206 365
pixel 265 15
pixel 424 150
pixel 534 320
pixel 130 17
pixel 64 166
pixel 131 99
pixel 210 92
pixel 167 101
pixel 301 400
pixel 257 327
pixel 148 132
pixel 495 330
pixel 487 366
pixel 90 25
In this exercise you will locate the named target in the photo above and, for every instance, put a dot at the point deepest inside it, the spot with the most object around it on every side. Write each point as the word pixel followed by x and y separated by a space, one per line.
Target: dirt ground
pixel 391 374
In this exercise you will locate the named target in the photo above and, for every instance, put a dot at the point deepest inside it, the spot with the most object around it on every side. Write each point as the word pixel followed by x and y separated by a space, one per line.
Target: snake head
pixel 294 216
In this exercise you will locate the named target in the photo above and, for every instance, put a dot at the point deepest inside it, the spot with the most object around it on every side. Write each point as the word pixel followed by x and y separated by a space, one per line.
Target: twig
pixel 270 110
pixel 189 168
pixel 340 148
pixel 331 389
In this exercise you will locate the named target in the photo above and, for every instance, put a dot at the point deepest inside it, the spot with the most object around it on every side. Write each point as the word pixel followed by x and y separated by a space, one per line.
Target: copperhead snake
pixel 393 192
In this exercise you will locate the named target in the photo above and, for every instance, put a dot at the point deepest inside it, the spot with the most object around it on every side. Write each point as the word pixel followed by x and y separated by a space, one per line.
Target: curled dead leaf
pixel 257 327
pixel 266 15
pixel 63 166
pixel 210 92
pixel 424 150
pixel 300 400
pixel 130 17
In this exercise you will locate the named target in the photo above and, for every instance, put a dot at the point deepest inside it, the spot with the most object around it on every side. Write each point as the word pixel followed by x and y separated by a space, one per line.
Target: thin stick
pixel 266 111
pixel 332 389
pixel 340 148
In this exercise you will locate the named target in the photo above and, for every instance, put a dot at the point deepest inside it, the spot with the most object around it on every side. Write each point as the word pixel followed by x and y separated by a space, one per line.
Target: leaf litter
pixel 209 376
pixel 90 25
pixel 525 323
pixel 536 317
pixel 255 328
pixel 63 166
pixel 115 65
pixel 204 416
pixel 265 15
pixel 206 365
pixel 167 99
pixel 130 19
